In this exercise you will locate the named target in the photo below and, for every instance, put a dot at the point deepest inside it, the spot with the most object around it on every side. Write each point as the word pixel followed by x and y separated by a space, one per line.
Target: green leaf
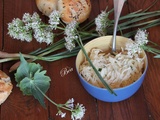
pixel 26 86
pixel 23 70
pixel 32 80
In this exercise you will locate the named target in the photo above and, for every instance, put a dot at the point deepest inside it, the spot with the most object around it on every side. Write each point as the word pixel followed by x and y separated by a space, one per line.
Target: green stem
pixel 57 105
pixel 7 59
pixel 97 73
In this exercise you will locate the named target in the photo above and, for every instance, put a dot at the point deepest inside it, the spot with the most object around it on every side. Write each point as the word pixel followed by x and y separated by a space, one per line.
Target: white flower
pixel 69 45
pixel 70 100
pixel 102 22
pixel 43 35
pixel 18 30
pixel 35 25
pixel 35 17
pixel 71 35
pixel 78 112
pixel 141 37
pixel 26 18
pixel 70 29
pixel 61 114
pixel 54 19
pixel 133 48
pixel 70 103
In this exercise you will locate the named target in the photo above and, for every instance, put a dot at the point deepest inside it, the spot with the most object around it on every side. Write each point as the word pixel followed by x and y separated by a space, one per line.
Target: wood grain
pixel 143 105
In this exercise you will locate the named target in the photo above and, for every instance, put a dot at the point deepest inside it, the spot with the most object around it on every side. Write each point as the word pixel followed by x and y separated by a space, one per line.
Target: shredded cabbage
pixel 117 70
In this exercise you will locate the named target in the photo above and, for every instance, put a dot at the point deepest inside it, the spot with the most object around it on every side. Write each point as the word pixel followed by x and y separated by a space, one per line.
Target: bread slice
pixel 70 10
pixel 5 86
pixel 46 6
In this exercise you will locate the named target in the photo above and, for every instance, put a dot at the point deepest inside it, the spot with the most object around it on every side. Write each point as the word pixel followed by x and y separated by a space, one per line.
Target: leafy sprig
pixel 32 81
pixel 30 78
pixel 138 19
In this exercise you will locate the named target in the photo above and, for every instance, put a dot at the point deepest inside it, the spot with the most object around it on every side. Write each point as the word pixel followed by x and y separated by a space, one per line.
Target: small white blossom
pixel 141 37
pixel 60 113
pixel 102 22
pixel 70 100
pixel 54 19
pixel 26 18
pixel 43 35
pixel 133 48
pixel 78 112
pixel 35 17
pixel 18 30
pixel 70 29
pixel 70 103
pixel 71 36
pixel 70 45
pixel 35 25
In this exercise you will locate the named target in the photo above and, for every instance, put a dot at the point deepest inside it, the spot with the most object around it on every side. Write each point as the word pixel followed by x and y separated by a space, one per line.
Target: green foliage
pixel 31 80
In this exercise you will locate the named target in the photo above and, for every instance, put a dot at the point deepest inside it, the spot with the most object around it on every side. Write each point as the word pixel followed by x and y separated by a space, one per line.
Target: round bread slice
pixel 70 10
pixel 46 6
pixel 5 86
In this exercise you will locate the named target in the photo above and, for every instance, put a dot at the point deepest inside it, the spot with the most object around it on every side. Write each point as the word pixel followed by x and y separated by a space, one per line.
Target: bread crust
pixel 5 86
pixel 70 10
pixel 46 6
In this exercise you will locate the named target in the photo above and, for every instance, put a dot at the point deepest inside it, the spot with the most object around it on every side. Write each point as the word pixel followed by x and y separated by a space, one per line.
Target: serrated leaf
pixel 42 81
pixel 33 67
pixel 29 87
pixel 32 80
pixel 22 71
pixel 39 96
pixel 25 86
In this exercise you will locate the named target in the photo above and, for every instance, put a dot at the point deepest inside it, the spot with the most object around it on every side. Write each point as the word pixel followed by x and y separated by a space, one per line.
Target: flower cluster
pixel 141 39
pixel 32 24
pixel 77 111
pixel 71 36
pixel 54 19
pixel 102 22
pixel 17 30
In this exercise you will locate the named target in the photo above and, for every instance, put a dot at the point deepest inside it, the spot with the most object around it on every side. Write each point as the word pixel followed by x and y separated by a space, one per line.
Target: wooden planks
pixel 18 106
pixel 144 105
pixel 1 23
pixel 152 80
pixel 1 31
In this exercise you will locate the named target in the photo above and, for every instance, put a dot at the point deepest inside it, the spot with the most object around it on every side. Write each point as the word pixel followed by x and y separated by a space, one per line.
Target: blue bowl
pixel 102 93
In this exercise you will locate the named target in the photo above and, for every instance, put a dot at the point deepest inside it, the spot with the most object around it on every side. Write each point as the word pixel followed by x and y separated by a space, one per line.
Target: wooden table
pixel 144 105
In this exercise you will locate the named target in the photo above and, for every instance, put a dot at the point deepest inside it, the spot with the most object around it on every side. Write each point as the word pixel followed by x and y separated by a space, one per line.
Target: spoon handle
pixel 118 5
